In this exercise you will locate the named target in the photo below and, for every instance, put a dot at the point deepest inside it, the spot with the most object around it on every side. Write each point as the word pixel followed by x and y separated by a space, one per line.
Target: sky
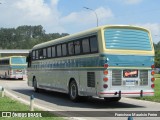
pixel 70 16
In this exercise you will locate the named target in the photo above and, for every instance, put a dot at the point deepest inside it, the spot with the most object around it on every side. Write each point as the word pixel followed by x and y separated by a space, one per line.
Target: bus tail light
pixel 105 79
pixel 105 65
pixel 152 66
pixel 152 72
pixel 152 86
pixel 105 72
pixel 105 86
pixel 153 79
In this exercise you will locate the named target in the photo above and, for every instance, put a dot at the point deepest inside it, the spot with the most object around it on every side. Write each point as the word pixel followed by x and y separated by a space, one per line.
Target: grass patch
pixel 156 97
pixel 7 104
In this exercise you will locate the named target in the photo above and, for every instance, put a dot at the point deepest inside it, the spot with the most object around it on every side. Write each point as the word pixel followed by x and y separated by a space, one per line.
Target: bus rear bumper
pixel 137 93
pixel 18 77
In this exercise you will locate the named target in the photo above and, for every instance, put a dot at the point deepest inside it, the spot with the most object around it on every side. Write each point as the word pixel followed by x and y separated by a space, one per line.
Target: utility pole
pixel 94 13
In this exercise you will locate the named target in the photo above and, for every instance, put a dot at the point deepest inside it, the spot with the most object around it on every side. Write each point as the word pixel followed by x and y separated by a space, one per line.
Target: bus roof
pixel 3 58
pixel 83 33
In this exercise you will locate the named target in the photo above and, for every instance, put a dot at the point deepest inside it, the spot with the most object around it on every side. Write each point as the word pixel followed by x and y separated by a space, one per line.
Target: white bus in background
pixel 108 62
pixel 13 67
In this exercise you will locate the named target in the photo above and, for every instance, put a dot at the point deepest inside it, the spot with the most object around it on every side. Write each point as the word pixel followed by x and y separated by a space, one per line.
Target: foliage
pixel 25 37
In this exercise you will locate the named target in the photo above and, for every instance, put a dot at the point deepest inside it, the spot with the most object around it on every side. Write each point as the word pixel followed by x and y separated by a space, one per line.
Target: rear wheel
pixel 36 89
pixel 73 91
pixel 112 99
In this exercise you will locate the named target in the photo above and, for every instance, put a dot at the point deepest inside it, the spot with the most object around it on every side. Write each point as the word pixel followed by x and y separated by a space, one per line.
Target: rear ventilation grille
pixel 116 77
pixel 90 79
pixel 143 77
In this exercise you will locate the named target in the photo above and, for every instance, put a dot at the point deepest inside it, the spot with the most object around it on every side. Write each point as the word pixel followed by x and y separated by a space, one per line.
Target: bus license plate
pixel 130 82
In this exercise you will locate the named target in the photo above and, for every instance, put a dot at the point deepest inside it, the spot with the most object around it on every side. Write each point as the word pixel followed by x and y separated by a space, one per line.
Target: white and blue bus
pixel 109 62
pixel 13 67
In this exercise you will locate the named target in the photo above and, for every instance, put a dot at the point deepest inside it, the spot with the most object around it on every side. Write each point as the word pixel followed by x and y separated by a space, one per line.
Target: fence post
pixel 2 92
pixel 32 103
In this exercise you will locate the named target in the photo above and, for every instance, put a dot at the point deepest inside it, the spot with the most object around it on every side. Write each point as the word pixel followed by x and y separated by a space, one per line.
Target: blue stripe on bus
pixel 112 60
pixel 129 60
pixel 18 67
pixel 127 39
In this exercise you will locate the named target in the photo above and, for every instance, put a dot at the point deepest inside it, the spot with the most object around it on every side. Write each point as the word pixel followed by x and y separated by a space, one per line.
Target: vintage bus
pixel 13 67
pixel 108 62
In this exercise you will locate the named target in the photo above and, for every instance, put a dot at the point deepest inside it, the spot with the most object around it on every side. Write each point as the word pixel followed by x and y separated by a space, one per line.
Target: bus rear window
pixel 127 39
pixel 18 60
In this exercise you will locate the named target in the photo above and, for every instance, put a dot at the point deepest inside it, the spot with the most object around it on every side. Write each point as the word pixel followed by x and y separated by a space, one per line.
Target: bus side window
pixel 44 53
pixel 71 48
pixel 64 50
pixel 49 52
pixel 37 55
pixel 93 44
pixel 85 45
pixel 77 47
pixel 53 52
pixel 33 55
pixel 59 50
pixel 41 54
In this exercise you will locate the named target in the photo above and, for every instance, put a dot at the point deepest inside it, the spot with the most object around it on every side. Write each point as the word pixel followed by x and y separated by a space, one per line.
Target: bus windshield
pixel 18 60
pixel 127 39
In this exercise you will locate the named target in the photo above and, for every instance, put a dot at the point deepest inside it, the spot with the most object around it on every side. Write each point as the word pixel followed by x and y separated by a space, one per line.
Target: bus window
pixel 44 53
pixel 85 45
pixel 64 49
pixel 33 55
pixel 77 47
pixel 37 55
pixel 49 52
pixel 70 48
pixel 93 44
pixel 41 53
pixel 53 52
pixel 59 50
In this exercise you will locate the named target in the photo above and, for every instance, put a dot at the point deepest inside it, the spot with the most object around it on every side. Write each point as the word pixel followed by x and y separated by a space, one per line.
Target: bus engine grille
pixel 90 79
pixel 116 77
pixel 143 77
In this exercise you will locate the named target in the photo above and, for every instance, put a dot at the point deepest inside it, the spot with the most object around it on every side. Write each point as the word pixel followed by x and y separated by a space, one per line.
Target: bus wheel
pixel 112 99
pixel 73 91
pixel 36 89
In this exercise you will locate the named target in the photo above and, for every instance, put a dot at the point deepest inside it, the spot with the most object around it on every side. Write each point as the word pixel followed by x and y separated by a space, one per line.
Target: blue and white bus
pixel 13 67
pixel 109 62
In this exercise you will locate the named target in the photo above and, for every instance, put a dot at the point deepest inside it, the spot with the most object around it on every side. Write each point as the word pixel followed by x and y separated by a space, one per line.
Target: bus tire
pixel 112 99
pixel 73 91
pixel 36 89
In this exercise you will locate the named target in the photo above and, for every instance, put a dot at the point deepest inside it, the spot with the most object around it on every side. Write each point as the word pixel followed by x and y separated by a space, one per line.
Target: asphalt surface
pixel 91 109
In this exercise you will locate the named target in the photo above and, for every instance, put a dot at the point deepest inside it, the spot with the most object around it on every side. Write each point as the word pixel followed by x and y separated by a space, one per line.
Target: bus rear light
pixel 105 86
pixel 153 79
pixel 105 72
pixel 105 65
pixel 153 66
pixel 152 86
pixel 105 79
pixel 152 73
